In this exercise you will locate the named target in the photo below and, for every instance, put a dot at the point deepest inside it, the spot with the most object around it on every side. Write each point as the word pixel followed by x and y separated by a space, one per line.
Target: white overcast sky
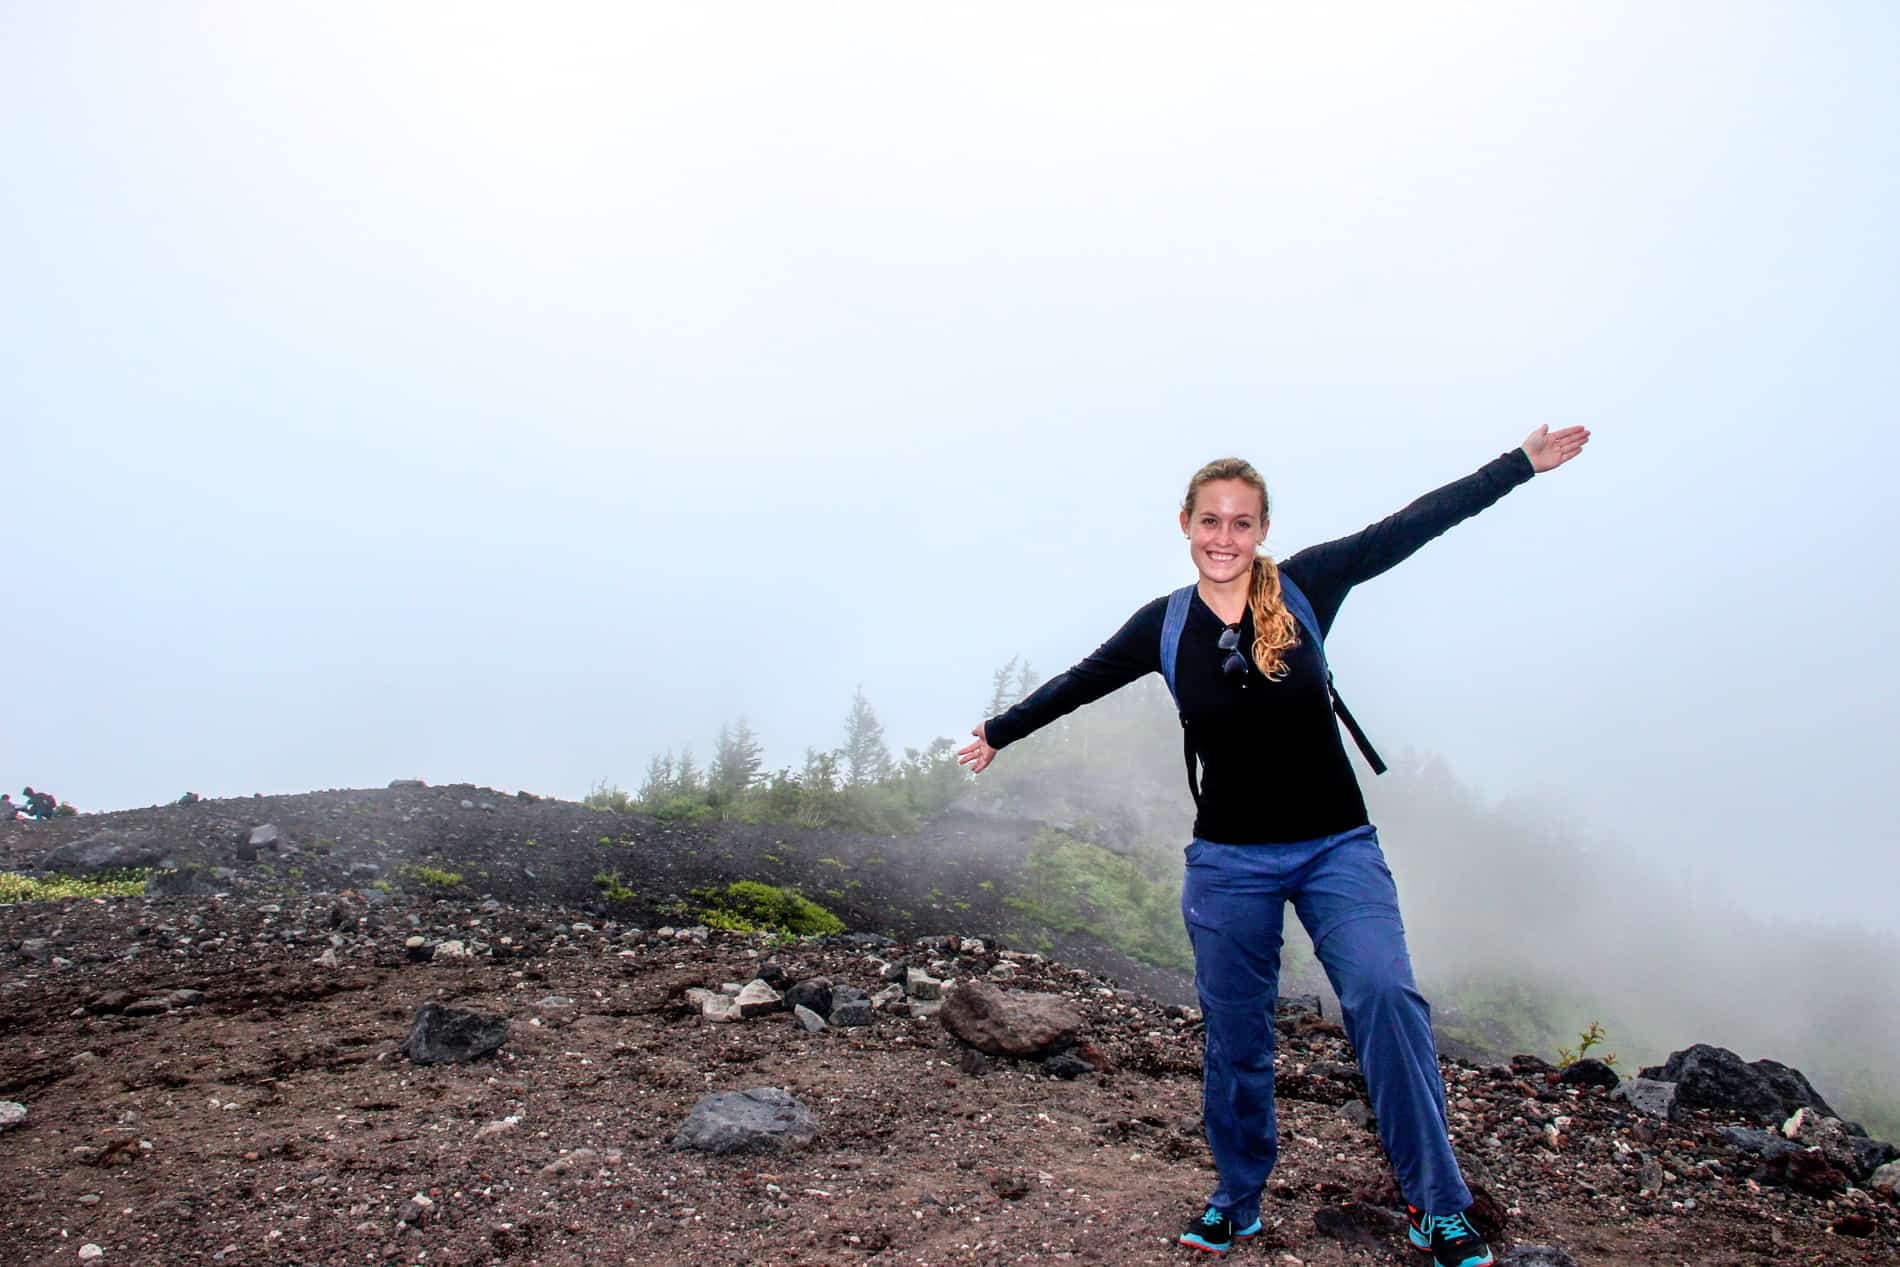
pixel 504 393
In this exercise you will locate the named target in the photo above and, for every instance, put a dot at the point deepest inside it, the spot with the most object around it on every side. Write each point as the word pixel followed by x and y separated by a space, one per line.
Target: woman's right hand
pixel 977 755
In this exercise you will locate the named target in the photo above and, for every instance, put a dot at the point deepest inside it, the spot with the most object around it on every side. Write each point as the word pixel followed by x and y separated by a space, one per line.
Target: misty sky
pixel 505 394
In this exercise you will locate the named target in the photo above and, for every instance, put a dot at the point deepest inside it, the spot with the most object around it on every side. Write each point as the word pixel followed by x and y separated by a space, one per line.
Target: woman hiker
pixel 1279 818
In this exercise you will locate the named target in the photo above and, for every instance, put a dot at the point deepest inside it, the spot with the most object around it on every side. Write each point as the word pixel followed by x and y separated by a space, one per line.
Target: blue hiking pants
pixel 1233 900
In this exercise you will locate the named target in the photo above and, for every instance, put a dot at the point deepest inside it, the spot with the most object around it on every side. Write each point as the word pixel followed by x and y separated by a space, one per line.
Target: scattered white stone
pixel 974 946
pixel 757 999
pixel 264 837
pixel 499 1127
pixel 12 1113
pixel 453 950
pixel 327 959
pixel 921 985
pixel 89 1251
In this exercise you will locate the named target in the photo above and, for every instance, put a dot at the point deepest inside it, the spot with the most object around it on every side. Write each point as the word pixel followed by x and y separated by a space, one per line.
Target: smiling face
pixel 1223 528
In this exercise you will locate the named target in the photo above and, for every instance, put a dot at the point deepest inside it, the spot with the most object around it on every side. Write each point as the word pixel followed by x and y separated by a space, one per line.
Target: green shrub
pixel 765 907
pixel 15 887
pixel 431 877
pixel 612 887
pixel 608 797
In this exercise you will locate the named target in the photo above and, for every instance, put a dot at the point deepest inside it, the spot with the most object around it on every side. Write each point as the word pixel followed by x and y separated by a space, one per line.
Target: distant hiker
pixel 1280 817
pixel 40 804
pixel 8 810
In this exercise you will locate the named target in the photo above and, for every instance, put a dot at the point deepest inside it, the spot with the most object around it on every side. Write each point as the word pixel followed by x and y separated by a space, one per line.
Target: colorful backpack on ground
pixel 1176 621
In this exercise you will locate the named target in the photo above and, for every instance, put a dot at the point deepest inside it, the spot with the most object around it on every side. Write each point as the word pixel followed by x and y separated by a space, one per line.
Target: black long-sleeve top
pixel 1273 768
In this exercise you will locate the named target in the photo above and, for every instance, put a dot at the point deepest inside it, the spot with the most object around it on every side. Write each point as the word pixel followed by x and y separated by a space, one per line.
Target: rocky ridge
pixel 207 1078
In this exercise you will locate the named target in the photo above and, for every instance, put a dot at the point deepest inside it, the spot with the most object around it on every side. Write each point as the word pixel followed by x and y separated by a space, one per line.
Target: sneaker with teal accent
pixel 1215 1232
pixel 1450 1239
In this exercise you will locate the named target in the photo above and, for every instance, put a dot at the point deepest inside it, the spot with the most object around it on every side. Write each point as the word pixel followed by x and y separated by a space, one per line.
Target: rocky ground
pixel 220 1077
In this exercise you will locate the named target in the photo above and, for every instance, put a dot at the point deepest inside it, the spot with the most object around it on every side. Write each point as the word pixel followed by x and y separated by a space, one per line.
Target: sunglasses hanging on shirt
pixel 1235 664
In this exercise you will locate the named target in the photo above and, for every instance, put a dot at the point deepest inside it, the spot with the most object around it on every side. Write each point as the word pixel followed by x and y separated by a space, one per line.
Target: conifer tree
pixel 659 781
pixel 737 760
pixel 866 758
pixel 1002 689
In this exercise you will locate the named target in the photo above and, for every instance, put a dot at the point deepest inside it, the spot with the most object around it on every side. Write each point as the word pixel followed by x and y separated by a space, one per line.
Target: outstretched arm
pixel 1326 572
pixel 1134 650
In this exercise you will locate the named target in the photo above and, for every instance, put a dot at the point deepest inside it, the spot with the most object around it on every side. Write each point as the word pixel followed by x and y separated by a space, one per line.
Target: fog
pixel 478 395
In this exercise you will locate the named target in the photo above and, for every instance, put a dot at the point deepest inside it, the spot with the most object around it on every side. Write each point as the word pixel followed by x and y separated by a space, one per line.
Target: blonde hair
pixel 1274 630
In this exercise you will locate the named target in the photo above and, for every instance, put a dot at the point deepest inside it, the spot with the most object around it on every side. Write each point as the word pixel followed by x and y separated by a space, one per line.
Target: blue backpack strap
pixel 1297 603
pixel 1171 627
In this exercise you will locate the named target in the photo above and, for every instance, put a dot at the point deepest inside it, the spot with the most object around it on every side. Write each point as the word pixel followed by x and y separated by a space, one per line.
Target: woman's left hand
pixel 1549 449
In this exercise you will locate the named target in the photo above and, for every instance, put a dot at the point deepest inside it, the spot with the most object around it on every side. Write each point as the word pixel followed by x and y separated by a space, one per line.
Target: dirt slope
pixel 274 1120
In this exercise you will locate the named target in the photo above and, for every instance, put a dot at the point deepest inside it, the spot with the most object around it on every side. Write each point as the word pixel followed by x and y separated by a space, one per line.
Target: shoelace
pixel 1211 1217
pixel 1454 1226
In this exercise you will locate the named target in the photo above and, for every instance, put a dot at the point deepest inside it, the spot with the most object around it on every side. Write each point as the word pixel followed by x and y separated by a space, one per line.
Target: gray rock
pixel 1009 1022
pixel 1066 1064
pixel 884 999
pixel 104 851
pixel 1648 1096
pixel 1888 1177
pixel 759 1119
pixel 1810 1128
pixel 1650 1176
pixel 852 1012
pixel 919 984
pixel 180 882
pixel 814 993
pixel 265 837
pixel 36 950
pixel 1358 1112
pixel 1870 1155
pixel 808 1020
pixel 441 1035
pixel 1764 1144
pixel 12 1113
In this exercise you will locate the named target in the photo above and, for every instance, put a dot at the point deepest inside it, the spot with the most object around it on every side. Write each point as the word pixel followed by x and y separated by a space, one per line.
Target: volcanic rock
pixel 442 1035
pixel 104 851
pixel 1008 1022
pixel 760 1119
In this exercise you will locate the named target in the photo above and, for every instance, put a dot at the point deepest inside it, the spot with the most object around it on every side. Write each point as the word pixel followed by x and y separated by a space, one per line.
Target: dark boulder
pixel 449 1036
pixel 758 1120
pixel 1716 1078
pixel 1589 1072
pixel 104 851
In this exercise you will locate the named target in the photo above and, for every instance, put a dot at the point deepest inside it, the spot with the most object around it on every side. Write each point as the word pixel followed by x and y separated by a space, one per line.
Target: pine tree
pixel 686 777
pixel 659 780
pixel 866 758
pixel 1027 680
pixel 1002 688
pixel 737 761
pixel 821 771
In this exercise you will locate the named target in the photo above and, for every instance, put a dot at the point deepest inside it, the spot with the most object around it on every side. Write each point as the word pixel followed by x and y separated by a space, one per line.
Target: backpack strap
pixel 1302 609
pixel 1171 626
